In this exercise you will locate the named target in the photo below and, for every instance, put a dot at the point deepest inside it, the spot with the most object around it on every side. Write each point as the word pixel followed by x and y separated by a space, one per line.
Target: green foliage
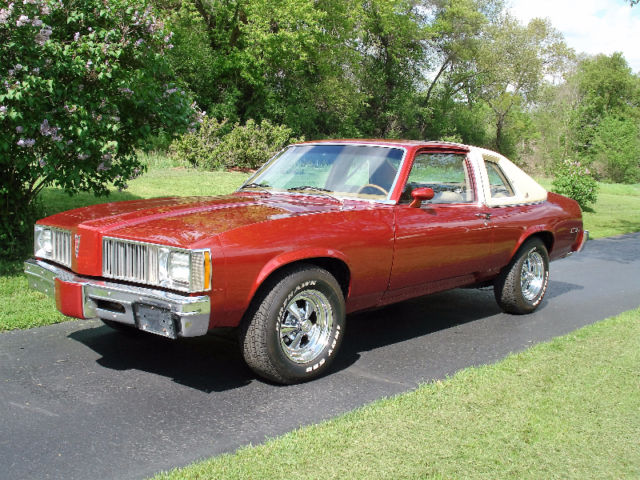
pixel 251 145
pixel 574 180
pixel 616 149
pixel 82 84
pixel 199 147
pixel 215 146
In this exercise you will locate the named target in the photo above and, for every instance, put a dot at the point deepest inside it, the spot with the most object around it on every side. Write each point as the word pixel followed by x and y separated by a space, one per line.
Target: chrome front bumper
pixel 118 302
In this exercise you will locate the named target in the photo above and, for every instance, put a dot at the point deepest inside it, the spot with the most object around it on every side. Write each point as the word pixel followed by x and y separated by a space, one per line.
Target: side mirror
pixel 420 195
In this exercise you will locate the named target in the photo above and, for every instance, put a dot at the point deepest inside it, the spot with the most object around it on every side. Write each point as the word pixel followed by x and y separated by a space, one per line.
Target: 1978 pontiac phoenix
pixel 322 230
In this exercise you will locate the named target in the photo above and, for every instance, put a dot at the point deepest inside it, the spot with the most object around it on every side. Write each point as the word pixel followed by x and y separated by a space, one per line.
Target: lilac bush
pixel 575 180
pixel 82 84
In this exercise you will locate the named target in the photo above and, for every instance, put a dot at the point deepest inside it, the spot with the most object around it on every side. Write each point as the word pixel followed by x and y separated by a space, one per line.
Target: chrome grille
pixel 127 260
pixel 147 263
pixel 61 243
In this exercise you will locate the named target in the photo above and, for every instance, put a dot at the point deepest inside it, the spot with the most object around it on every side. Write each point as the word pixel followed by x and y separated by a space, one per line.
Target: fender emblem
pixel 77 239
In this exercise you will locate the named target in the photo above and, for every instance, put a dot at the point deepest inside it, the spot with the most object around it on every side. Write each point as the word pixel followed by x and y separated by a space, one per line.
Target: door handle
pixel 485 215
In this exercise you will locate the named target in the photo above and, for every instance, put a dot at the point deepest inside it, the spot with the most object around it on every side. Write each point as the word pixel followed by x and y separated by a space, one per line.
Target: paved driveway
pixel 78 400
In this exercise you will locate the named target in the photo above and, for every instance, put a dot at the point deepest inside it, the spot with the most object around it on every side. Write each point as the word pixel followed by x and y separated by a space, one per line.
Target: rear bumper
pixel 83 297
pixel 582 240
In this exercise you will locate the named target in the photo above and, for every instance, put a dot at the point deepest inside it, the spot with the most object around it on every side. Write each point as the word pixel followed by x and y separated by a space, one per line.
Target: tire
pixel 521 285
pixel 295 325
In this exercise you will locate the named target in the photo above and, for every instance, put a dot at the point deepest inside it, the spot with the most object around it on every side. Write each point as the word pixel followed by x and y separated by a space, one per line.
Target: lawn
pixel 617 211
pixel 568 408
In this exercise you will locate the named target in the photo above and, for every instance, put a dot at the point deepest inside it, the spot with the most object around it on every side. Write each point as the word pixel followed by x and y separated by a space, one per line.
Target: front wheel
pixel 521 286
pixel 294 327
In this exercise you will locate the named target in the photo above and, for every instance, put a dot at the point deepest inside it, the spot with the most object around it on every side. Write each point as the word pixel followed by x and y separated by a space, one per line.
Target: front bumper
pixel 157 311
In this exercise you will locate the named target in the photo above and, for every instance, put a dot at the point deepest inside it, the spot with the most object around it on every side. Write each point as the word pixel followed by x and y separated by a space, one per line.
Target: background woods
pixel 84 85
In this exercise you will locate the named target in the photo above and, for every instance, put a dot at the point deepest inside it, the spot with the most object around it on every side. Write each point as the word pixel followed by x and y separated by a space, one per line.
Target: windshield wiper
pixel 317 190
pixel 261 186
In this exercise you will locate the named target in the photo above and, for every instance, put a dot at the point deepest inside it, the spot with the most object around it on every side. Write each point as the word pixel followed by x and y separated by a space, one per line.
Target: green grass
pixel 569 408
pixel 617 211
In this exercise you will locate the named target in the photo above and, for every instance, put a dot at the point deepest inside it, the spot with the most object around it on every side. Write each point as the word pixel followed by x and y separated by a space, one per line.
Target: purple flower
pixel 83 156
pixel 36 70
pixel 76 36
pixel 42 162
pixel 106 156
pixel 18 67
pixel 43 36
pixel 3 109
pixel 5 13
pixel 101 167
pixel 22 20
pixel 19 129
pixel 139 42
pixel 36 22
pixel 26 143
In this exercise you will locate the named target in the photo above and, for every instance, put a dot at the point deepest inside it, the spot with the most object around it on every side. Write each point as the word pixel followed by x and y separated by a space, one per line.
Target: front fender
pixel 292 257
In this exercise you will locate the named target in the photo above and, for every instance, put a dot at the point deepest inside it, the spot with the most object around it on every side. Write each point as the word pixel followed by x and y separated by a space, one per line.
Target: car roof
pixel 392 143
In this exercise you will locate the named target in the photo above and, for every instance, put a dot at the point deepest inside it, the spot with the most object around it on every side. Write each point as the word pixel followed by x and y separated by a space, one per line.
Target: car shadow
pixel 210 363
pixel 213 363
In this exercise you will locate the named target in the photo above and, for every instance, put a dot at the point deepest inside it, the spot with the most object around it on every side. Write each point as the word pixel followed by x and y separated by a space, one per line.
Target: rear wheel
pixel 294 327
pixel 521 286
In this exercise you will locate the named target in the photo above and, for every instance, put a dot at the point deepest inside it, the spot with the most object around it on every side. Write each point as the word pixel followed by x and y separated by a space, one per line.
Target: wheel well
pixel 334 266
pixel 546 237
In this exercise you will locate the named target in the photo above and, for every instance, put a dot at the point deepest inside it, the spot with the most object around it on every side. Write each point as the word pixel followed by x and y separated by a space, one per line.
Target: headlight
pixel 53 244
pixel 42 242
pixel 174 267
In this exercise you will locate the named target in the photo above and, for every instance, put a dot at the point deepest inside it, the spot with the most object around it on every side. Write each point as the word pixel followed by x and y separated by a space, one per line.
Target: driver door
pixel 447 240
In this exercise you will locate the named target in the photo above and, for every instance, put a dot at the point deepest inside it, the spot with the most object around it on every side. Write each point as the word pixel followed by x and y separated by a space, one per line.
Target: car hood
pixel 185 221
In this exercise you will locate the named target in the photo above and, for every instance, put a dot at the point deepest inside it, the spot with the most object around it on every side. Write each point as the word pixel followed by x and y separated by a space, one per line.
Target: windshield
pixel 360 171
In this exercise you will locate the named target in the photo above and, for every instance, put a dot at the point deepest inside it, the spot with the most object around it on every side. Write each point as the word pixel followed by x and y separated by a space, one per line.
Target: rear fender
pixel 539 231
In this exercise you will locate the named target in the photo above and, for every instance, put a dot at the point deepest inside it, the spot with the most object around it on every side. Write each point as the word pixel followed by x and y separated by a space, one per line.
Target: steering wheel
pixel 374 186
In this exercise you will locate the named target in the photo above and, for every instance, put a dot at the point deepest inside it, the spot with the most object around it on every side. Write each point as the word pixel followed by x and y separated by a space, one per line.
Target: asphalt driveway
pixel 79 400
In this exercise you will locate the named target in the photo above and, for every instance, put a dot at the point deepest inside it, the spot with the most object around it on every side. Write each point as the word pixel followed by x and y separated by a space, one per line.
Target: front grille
pixel 127 260
pixel 61 243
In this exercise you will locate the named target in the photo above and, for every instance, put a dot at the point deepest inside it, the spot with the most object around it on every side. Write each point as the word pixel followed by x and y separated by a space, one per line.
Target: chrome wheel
pixel 532 275
pixel 305 328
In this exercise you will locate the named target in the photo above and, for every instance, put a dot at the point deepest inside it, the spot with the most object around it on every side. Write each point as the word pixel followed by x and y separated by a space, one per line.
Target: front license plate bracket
pixel 155 320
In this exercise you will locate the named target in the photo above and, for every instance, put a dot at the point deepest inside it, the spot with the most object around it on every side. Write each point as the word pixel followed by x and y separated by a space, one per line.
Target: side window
pixel 445 173
pixel 500 186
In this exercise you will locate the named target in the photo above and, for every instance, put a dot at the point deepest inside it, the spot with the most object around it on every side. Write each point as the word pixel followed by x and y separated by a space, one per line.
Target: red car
pixel 321 230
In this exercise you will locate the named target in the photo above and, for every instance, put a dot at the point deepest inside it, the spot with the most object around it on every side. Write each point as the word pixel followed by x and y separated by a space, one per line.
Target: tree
pixel 82 84
pixel 511 66
pixel 606 86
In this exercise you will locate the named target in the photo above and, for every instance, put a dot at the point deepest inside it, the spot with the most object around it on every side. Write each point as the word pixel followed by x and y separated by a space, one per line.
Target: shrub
pixel 81 85
pixel 199 147
pixel 574 180
pixel 251 145
pixel 214 146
